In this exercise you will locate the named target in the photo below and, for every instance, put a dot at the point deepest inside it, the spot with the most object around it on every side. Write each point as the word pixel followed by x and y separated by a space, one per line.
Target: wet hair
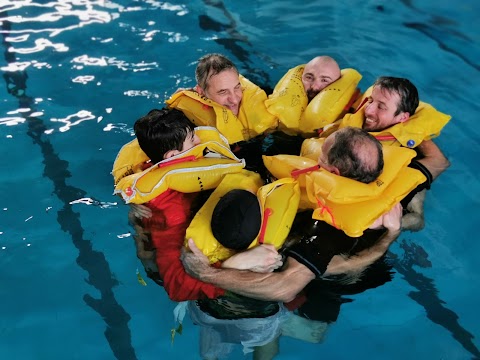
pixel 161 131
pixel 236 219
pixel 346 155
pixel 210 65
pixel 404 88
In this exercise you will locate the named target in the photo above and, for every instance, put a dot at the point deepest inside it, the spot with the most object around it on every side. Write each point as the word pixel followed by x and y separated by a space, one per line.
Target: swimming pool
pixel 77 74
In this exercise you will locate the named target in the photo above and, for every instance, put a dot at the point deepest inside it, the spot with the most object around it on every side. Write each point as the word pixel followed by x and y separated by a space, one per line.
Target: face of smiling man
pixel 381 110
pixel 225 89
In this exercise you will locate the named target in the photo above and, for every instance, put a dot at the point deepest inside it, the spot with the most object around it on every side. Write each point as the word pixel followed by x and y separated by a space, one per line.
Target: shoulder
pixel 321 243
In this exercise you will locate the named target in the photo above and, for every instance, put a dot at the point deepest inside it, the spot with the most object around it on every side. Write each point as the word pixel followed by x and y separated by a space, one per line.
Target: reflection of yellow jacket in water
pixel 253 118
pixel 278 203
pixel 344 203
pixel 200 168
pixel 289 102
pixel 425 124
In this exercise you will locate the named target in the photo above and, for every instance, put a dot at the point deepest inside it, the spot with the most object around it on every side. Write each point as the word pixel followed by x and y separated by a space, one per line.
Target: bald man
pixel 319 72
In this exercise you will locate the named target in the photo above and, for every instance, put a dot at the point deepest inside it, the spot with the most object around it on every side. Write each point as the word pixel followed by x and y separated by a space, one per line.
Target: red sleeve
pixel 171 216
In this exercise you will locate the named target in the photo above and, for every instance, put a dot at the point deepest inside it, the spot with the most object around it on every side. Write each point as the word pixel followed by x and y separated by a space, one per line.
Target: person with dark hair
pixel 161 223
pixel 389 108
pixel 236 219
pixel 381 175
pixel 321 249
pixel 352 153
pixel 165 133
pixel 391 111
pixel 393 100
pixel 244 213
pixel 316 250
pixel 234 319
pixel 309 258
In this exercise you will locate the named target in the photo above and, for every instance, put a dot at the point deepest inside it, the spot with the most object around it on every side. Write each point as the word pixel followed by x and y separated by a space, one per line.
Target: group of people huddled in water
pixel 244 202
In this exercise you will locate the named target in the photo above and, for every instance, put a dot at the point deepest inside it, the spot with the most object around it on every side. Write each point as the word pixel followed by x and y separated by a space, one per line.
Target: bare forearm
pixel 414 219
pixel 434 160
pixel 243 282
pixel 281 286
pixel 263 259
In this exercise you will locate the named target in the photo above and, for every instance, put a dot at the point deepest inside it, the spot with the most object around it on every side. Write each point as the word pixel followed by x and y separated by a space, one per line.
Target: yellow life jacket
pixel 278 202
pixel 253 118
pixel 425 124
pixel 200 168
pixel 344 203
pixel 289 101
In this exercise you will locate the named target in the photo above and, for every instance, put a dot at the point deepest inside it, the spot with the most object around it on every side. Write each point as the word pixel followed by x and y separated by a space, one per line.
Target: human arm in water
pixel 358 262
pixel 432 163
pixel 414 219
pixel 275 286
pixel 263 259
pixel 285 285
pixel 433 158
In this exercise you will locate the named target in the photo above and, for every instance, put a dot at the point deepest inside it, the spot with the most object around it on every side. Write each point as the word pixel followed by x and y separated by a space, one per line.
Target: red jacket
pixel 168 224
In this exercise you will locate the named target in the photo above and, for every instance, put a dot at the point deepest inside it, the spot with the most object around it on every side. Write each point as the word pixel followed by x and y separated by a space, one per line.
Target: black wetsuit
pixel 318 243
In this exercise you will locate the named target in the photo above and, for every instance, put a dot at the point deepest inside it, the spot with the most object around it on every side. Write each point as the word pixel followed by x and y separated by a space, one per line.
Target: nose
pixel 233 99
pixel 369 109
pixel 318 85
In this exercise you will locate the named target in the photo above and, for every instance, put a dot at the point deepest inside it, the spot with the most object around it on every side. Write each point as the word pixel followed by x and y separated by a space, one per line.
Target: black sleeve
pixel 318 247
pixel 425 185
pixel 315 262
pixel 320 243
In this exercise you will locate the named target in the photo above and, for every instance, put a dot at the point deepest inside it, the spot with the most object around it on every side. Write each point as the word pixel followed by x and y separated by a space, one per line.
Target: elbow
pixel 286 294
pixel 446 163
pixel 442 166
pixel 283 297
pixel 443 162
pixel 287 297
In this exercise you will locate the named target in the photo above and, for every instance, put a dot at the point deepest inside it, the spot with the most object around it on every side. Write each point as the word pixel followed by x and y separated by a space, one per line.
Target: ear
pixel 404 116
pixel 170 153
pixel 330 168
pixel 334 170
pixel 199 90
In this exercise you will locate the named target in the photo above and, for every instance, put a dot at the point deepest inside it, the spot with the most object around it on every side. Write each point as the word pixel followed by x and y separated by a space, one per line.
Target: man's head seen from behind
pixel 236 219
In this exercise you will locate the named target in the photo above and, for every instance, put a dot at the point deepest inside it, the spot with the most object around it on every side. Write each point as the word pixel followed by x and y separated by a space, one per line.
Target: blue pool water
pixel 77 74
